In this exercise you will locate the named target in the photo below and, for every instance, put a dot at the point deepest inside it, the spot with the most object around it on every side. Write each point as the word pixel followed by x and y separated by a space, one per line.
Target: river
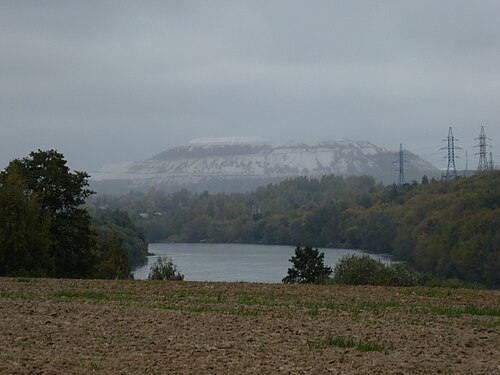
pixel 235 262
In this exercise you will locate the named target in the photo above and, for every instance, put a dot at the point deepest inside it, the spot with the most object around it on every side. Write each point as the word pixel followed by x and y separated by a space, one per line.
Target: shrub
pixel 164 269
pixel 360 270
pixel 364 270
pixel 402 275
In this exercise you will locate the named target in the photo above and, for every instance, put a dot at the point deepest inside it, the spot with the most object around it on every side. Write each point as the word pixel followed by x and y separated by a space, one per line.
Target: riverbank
pixel 141 327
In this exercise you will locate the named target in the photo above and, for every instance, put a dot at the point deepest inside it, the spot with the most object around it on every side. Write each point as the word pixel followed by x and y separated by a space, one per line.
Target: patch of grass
pixel 455 312
pixel 173 297
pixel 282 315
pixel 429 293
pixel 96 296
pixel 253 300
pixel 314 312
pixel 171 306
pixel 220 297
pixel 481 311
pixel 350 307
pixel 377 306
pixel 487 325
pixel 15 295
pixel 338 341
pixel 346 342
pixel 95 366
pixel 23 280
pixel 422 292
pixel 370 347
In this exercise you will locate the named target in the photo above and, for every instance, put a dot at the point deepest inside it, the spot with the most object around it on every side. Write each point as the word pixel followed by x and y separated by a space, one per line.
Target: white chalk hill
pixel 242 164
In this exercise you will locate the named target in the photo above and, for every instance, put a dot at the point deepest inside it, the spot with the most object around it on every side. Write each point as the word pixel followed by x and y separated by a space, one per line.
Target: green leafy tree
pixel 112 257
pixel 308 267
pixel 134 240
pixel 24 233
pixel 59 189
pixel 60 194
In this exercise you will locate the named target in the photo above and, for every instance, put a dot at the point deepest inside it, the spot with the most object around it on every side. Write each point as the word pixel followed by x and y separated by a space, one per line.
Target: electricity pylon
pixel 483 161
pixel 451 171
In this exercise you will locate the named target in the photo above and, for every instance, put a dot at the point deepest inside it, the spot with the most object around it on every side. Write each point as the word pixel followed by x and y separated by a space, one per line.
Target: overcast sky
pixel 108 81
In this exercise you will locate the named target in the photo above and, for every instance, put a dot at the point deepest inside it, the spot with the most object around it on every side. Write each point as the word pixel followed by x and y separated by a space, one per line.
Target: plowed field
pixel 139 327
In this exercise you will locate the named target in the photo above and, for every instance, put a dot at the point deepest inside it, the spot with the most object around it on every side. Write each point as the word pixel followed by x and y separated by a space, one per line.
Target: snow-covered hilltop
pixel 240 164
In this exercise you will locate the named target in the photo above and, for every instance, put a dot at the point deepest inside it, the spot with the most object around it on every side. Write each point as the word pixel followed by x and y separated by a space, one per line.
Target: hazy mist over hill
pixel 242 164
pixel 107 81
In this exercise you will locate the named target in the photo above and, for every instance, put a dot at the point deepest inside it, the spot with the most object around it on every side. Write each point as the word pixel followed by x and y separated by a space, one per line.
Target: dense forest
pixel 446 228
pixel 46 231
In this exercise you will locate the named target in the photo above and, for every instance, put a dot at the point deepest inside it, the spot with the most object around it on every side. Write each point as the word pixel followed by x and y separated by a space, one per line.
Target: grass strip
pixel 346 342
pixel 469 309
pixel 16 295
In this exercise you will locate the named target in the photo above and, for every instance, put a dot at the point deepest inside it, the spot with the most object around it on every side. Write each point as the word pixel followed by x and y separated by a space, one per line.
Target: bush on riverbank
pixel 164 269
pixel 364 270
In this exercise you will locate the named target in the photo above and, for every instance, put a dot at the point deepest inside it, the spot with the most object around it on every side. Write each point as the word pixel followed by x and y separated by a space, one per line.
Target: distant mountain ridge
pixel 242 164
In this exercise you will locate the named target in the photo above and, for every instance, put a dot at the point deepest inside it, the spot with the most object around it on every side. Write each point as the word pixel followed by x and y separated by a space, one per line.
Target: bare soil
pixel 52 326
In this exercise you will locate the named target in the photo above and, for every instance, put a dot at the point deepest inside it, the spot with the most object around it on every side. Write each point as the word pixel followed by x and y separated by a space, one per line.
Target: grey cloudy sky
pixel 107 81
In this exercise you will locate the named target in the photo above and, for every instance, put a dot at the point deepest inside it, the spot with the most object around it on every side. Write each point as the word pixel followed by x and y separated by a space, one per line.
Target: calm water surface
pixel 234 262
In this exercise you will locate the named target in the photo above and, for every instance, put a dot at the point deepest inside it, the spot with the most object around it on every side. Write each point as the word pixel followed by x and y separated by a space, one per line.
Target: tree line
pixel 49 227
pixel 446 228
